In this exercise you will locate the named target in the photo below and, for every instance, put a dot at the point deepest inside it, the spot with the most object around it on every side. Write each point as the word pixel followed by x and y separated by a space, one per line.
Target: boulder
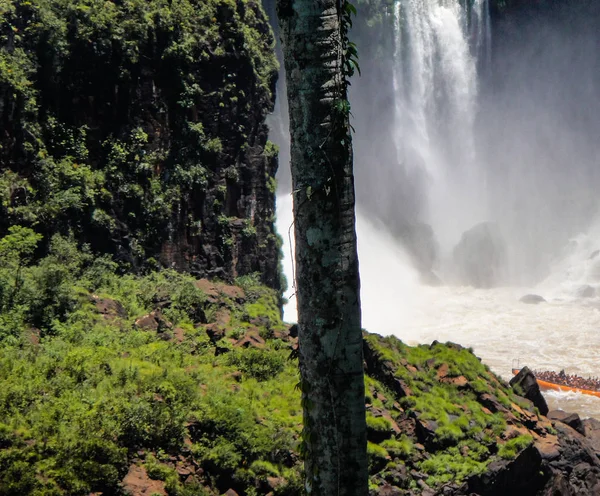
pixel 480 256
pixel 592 432
pixel 110 309
pixel 532 299
pixel 571 419
pixel 526 384
pixel 154 321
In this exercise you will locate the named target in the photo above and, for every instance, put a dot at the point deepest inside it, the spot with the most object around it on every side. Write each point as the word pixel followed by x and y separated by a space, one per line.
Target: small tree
pixel 16 250
pixel 318 61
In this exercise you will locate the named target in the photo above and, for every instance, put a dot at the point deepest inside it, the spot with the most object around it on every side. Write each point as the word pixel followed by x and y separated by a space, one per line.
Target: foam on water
pixel 558 334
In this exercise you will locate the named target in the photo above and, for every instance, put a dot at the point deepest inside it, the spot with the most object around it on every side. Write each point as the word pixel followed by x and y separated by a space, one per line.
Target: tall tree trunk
pixel 330 337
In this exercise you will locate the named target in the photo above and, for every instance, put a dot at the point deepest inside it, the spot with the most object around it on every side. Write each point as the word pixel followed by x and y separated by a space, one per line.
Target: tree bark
pixel 327 279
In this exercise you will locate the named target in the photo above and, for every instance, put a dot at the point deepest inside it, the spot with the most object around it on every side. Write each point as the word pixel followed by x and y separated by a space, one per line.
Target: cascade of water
pixel 436 101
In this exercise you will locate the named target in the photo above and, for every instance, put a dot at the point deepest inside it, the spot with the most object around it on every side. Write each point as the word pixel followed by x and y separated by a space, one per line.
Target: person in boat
pixel 570 380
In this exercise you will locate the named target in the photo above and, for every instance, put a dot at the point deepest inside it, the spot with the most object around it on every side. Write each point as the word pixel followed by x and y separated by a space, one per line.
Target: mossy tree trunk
pixel 331 360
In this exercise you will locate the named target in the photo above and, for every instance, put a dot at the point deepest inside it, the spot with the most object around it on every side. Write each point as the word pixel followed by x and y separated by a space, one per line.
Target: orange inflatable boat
pixel 551 386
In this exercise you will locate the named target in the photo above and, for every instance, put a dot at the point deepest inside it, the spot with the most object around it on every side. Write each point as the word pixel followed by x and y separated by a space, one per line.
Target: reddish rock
pixel 110 309
pixel 33 333
pixel 234 292
pixel 209 289
pixel 179 335
pixel 137 483
pixel 443 375
pixel 154 321
pixel 251 339
pixel 222 317
pixel 275 482
pixel 548 447
pixel 214 291
pixel 184 469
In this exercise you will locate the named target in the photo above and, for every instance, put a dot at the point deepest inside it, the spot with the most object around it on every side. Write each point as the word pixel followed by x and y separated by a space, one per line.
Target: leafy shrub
pixel 260 364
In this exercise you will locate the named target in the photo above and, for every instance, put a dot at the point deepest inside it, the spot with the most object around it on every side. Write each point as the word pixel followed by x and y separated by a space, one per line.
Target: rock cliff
pixel 139 127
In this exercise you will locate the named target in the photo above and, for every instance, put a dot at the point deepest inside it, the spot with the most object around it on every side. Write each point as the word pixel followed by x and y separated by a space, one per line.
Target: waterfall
pixel 436 85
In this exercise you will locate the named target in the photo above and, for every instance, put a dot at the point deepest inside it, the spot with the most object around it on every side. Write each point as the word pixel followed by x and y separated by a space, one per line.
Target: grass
pixel 84 395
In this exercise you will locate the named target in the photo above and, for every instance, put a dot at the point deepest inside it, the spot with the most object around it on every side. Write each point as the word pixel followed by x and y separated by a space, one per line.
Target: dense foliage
pixel 84 388
pixel 138 126
pixel 195 384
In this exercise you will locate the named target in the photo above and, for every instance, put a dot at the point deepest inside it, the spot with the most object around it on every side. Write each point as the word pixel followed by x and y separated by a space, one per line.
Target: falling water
pixel 436 87
pixel 507 135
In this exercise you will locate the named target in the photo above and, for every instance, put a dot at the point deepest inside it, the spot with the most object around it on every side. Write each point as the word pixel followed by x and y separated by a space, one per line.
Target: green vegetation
pixel 513 446
pixel 110 132
pixel 84 388
pixel 101 372
pixel 458 403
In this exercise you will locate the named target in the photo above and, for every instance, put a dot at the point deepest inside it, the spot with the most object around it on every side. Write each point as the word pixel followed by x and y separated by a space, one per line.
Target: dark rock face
pixel 592 432
pixel 143 133
pixel 525 383
pixel 480 256
pixel 571 419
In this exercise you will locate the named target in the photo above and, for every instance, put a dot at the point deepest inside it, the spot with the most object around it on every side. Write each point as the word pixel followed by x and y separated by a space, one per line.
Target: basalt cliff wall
pixel 138 127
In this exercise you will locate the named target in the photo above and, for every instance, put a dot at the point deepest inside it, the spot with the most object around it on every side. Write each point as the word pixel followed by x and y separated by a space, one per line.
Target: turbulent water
pixel 505 133
pixel 559 334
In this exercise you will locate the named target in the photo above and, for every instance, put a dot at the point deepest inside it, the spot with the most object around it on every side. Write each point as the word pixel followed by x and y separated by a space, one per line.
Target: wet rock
pixel 522 476
pixel 526 385
pixel 558 485
pixel 532 299
pixel 571 419
pixel 592 432
pixel 480 256
pixel 575 449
